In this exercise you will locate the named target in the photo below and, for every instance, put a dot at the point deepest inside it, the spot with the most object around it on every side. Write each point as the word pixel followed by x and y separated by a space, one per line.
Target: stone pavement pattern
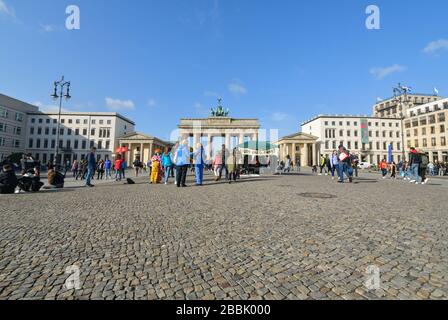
pixel 256 239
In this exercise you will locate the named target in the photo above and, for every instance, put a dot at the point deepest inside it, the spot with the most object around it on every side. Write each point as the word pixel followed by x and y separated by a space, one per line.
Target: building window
pixel 40 120
pixel 442 128
pixel 16 143
pixel 46 143
pixel 75 144
pixel 78 121
pixel 100 144
pixel 109 122
pixel 61 131
pixel 19 117
pixel 62 120
pixel 47 121
pixel 92 143
pixel 341 133
pixel 433 130
pixel 83 144
pixel 70 121
pixel 425 143
pixel 84 132
pixel 76 132
pixel 108 144
pixel 2 127
pixel 53 144
pixel 92 132
pixel 442 141
pixel 69 132
pixel 101 121
pixel 18 131
pixel 47 131
pixel 39 131
pixel 53 131
pixel 85 121
pixel 30 143
pixel 93 121
pixel 38 143
pixel 31 130
pixel 433 142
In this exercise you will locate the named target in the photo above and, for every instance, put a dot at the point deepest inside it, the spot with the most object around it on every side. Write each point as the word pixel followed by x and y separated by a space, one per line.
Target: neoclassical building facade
pixel 229 131
pixel 141 146
pixel 299 146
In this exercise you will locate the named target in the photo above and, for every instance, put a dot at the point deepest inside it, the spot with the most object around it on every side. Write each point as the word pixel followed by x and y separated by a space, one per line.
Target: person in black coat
pixel 8 180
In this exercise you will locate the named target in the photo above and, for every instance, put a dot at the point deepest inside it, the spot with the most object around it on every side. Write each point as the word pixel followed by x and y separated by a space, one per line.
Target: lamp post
pixel 402 100
pixel 61 84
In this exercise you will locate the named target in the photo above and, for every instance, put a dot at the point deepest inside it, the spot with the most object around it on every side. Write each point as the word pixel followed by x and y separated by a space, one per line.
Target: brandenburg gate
pixel 219 125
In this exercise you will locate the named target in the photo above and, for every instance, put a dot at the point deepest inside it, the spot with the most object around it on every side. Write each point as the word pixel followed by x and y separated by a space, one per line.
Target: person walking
pixel 224 155
pixel 423 167
pixel 199 158
pixel 167 164
pixel 182 161
pixel 383 168
pixel 107 168
pixel 334 164
pixel 288 163
pixel 100 170
pixel 344 164
pixel 322 165
pixel 354 163
pixel 414 163
pixel 232 165
pixel 75 168
pixel 91 163
pixel 393 170
pixel 217 162
pixel 137 166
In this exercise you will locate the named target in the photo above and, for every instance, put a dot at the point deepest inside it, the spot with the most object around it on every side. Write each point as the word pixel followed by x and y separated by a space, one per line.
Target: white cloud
pixel 381 72
pixel 279 116
pixel 117 104
pixel 435 46
pixel 152 103
pixel 5 9
pixel 47 27
pixel 237 89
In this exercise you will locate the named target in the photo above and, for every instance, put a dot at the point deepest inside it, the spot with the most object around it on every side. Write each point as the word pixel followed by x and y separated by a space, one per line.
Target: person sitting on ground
pixel 8 180
pixel 55 180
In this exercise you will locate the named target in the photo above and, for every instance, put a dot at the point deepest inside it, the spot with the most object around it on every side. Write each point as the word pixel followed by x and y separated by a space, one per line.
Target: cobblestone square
pixel 266 237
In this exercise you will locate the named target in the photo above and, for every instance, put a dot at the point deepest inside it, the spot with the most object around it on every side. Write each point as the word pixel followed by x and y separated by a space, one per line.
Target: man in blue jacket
pixel 91 164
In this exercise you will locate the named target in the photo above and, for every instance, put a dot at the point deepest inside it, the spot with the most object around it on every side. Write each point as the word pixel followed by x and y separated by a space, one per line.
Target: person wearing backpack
pixel 137 165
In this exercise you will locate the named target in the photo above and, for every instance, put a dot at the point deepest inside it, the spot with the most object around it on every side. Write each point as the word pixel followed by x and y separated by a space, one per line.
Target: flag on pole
pixel 436 92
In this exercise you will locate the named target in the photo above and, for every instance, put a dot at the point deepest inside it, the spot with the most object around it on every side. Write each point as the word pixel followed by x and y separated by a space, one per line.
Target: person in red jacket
pixel 117 166
pixel 383 167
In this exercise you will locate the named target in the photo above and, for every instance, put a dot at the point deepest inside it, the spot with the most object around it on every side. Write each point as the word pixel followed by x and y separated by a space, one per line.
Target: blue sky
pixel 280 61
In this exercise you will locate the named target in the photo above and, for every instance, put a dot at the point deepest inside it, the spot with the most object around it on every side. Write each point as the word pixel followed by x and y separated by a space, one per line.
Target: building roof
pixel 299 135
pixel 86 114
pixel 15 103
pixel 409 94
pixel 337 116
pixel 141 136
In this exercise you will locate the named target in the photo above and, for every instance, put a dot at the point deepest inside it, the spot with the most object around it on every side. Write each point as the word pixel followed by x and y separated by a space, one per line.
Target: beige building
pixel 394 108
pixel 141 146
pixel 426 129
pixel 299 146
pixel 369 137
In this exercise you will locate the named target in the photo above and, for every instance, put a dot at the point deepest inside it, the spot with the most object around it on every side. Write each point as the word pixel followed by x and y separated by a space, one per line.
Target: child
pixel 155 160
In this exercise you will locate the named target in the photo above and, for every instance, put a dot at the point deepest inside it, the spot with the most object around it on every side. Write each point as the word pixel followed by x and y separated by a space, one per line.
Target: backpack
pixel 425 160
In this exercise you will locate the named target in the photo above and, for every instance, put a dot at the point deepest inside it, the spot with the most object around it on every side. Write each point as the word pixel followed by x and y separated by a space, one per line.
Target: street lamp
pixel 60 85
pixel 401 99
